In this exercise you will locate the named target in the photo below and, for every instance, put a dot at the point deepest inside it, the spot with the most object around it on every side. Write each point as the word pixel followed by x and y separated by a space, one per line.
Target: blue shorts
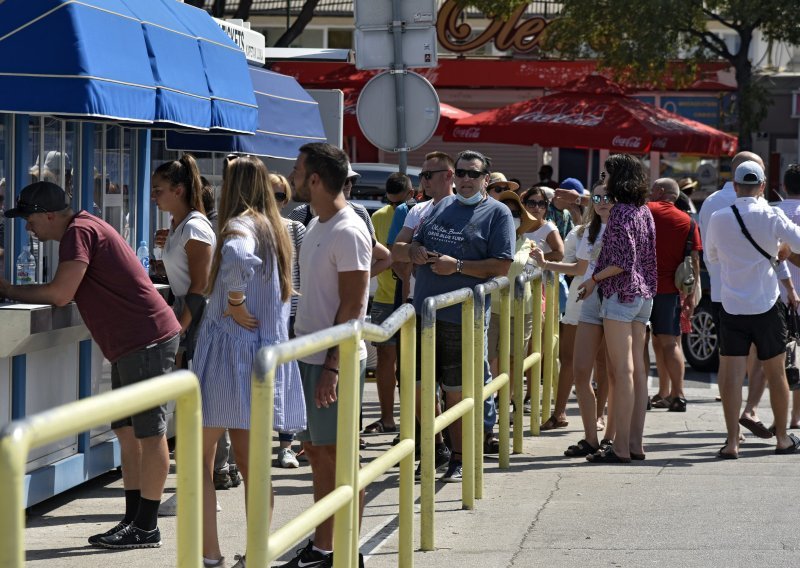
pixel 636 310
pixel 378 315
pixel 590 309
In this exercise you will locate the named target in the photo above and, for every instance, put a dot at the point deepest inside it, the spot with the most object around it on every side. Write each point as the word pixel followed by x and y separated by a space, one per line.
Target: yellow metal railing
pixel 343 501
pixel 465 409
pixel 21 436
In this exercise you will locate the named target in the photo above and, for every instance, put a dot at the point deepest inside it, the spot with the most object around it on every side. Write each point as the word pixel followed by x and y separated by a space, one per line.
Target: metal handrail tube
pixel 532 360
pixel 536 347
pixel 497 384
pixel 344 501
pixel 547 348
pixel 428 430
pixel 19 437
pixel 452 414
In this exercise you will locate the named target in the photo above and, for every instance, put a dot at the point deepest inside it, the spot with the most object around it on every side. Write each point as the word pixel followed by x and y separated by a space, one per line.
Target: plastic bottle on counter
pixel 26 267
pixel 143 254
pixel 158 252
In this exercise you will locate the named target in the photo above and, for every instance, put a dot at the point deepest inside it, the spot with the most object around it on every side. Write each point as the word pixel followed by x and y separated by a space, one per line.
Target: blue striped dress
pixel 225 350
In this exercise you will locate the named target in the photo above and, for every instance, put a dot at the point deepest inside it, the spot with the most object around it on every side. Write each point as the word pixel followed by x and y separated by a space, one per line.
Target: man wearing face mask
pixel 466 240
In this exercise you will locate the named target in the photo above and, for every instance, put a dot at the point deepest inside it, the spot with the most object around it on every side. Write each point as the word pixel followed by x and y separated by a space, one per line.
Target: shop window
pixel 114 159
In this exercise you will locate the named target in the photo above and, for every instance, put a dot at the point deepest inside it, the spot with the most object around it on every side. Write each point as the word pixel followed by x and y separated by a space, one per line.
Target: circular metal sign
pixel 377 111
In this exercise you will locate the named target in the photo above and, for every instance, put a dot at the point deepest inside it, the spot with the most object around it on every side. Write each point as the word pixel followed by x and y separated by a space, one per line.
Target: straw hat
pixel 688 185
pixel 527 222
pixel 498 179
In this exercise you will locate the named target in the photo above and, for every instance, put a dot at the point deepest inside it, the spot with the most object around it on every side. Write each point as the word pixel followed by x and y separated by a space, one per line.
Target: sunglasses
pixel 598 199
pixel 429 173
pixel 471 174
pixel 498 189
pixel 534 203
pixel 280 196
pixel 388 201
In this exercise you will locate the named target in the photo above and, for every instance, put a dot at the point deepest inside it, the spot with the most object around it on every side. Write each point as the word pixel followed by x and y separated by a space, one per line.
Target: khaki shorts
pixel 493 338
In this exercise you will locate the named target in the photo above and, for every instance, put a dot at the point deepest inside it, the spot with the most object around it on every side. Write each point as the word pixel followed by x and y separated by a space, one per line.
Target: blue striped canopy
pixel 153 62
pixel 287 118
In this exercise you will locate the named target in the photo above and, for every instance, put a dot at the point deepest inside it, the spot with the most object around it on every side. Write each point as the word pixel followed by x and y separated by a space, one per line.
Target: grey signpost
pixel 395 35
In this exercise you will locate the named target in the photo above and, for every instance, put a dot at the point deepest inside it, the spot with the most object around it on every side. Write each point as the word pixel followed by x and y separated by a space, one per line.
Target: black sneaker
pixel 307 557
pixel 94 539
pixel 454 472
pixel 442 458
pixel 222 480
pixel 131 537
pixel 236 477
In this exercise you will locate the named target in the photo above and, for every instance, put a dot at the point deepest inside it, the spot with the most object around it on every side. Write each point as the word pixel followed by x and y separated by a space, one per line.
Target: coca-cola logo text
pixel 633 142
pixel 472 132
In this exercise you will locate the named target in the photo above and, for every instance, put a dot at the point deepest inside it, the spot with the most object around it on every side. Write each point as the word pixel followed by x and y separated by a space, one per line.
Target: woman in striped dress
pixel 251 288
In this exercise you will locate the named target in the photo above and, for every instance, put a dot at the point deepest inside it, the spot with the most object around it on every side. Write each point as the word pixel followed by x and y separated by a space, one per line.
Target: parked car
pixel 371 186
pixel 701 345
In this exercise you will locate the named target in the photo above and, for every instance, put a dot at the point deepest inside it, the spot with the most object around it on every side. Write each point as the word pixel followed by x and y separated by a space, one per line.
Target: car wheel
pixel 700 346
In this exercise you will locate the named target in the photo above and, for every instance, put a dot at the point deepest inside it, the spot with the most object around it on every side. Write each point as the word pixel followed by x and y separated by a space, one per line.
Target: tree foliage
pixel 494 8
pixel 641 41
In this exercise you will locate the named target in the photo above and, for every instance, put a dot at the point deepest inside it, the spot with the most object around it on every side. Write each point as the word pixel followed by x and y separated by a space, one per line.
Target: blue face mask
pixel 474 200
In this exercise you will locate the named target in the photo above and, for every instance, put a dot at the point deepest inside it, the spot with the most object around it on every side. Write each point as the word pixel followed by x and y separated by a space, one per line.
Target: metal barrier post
pixel 408 389
pixel 547 350
pixel 519 355
pixel 20 436
pixel 427 403
pixel 536 370
pixel 468 391
pixel 259 483
pixel 478 346
pixel 346 519
pixel 504 368
pixel 556 340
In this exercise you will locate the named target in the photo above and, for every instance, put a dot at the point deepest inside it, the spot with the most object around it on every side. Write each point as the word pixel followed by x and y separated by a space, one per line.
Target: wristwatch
pixel 459 265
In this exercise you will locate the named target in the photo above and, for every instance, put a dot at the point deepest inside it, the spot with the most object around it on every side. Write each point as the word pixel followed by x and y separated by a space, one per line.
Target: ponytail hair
pixel 186 173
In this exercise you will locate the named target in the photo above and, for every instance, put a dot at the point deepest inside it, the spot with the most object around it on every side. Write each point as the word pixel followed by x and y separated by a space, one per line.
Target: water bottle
pixel 143 254
pixel 26 267
pixel 158 252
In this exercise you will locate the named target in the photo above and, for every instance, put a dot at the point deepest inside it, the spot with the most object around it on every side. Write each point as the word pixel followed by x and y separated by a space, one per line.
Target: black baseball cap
pixel 39 197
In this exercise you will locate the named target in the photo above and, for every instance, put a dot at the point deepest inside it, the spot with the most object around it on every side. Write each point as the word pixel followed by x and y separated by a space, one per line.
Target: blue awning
pixel 160 63
pixel 287 118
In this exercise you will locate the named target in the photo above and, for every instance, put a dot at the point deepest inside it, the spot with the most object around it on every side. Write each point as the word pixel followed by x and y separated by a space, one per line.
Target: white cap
pixel 749 173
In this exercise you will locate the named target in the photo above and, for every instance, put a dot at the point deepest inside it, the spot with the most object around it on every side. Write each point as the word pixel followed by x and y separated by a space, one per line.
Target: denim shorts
pixel 636 310
pixel 590 309
pixel 378 315
pixel 151 361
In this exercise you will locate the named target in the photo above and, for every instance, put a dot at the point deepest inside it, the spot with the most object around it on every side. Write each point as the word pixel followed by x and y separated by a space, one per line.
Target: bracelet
pixel 459 265
pixel 234 305
pixel 331 369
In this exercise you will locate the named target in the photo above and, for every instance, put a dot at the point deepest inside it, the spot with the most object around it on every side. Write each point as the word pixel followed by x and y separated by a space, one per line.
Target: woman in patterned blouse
pixel 626 279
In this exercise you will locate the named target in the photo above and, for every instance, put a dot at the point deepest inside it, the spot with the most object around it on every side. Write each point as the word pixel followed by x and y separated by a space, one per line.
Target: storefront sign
pixel 702 109
pixel 249 41
pixel 521 35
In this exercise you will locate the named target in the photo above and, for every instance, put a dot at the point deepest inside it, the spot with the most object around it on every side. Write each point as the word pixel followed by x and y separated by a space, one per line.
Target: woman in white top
pixel 580 267
pixel 545 237
pixel 177 189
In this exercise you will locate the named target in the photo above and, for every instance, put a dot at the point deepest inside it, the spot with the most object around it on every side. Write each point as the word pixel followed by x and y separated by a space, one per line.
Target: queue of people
pixel 248 278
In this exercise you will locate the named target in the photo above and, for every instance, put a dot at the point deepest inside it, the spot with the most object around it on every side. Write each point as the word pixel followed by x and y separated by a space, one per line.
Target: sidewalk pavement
pixel 682 506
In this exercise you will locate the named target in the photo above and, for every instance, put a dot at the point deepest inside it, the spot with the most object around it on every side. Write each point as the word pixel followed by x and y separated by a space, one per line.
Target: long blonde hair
pixel 246 192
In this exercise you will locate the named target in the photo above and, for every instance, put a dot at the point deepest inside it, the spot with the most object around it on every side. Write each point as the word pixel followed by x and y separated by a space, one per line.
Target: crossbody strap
pixel 749 237
pixel 689 239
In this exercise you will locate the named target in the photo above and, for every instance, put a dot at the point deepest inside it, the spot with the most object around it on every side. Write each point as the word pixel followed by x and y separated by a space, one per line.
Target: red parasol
pixel 447 114
pixel 592 112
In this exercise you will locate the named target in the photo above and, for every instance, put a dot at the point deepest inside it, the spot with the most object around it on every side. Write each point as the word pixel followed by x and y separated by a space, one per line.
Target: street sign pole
pixel 399 71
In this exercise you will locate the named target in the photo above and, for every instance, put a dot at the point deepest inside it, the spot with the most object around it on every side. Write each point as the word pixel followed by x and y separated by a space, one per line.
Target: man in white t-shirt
pixel 334 286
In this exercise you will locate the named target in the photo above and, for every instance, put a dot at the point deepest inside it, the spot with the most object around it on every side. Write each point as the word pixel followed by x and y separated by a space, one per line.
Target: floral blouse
pixel 629 242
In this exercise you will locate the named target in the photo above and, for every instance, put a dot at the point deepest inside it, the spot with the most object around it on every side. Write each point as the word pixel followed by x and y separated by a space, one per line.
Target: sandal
pixel 607 455
pixel 722 454
pixel 579 450
pixel 379 427
pixel 552 423
pixel 661 402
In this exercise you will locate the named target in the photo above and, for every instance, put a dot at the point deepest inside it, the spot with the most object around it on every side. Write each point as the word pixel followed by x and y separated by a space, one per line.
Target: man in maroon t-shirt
pixel 672 232
pixel 132 324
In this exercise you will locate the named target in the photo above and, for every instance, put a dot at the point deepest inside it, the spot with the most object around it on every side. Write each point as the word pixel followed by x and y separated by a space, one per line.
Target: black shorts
pixel 766 331
pixel 665 319
pixel 447 355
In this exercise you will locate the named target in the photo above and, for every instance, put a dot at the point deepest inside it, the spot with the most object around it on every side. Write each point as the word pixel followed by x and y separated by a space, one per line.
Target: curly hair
pixel 627 180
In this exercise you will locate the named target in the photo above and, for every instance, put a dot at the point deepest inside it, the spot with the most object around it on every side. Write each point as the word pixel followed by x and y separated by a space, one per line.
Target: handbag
pixel 684 274
pixel 793 350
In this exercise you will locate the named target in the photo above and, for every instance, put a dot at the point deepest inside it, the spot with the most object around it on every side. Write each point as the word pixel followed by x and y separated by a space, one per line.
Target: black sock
pixel 132 497
pixel 147 517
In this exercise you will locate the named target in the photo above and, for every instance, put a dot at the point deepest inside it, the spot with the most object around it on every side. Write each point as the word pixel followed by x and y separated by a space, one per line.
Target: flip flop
pixel 378 427
pixel 757 428
pixel 790 449
pixel 552 423
pixel 725 455
pixel 607 455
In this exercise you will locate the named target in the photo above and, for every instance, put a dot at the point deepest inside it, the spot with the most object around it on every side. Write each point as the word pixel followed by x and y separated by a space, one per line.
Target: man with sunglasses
pixel 465 240
pixel 398 190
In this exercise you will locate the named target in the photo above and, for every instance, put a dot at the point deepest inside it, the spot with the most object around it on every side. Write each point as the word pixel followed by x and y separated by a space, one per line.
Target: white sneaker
pixel 287 458
pixel 526 406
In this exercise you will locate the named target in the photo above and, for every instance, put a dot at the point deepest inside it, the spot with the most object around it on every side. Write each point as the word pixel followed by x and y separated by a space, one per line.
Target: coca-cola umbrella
pixel 592 112
pixel 447 115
